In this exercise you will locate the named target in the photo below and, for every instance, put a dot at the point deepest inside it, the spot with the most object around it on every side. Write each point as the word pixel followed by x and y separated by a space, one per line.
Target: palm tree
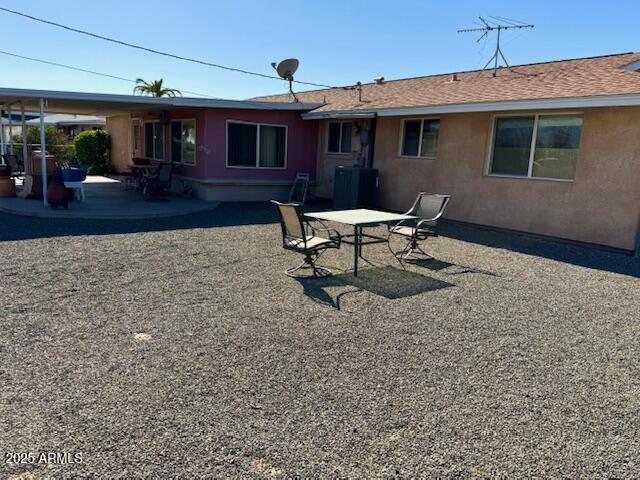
pixel 155 89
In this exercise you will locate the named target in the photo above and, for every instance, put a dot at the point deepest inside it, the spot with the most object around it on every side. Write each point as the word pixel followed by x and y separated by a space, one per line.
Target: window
pixel 154 140
pixel 339 137
pixel 255 145
pixel 136 137
pixel 183 142
pixel 420 138
pixel 537 146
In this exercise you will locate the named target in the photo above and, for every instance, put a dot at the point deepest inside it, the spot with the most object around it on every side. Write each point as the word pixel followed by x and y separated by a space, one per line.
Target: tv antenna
pixel 489 26
pixel 286 69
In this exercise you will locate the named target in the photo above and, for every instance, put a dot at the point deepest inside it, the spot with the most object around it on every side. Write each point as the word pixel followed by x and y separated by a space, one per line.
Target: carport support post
pixel 10 130
pixel 24 141
pixel 43 156
pixel 2 133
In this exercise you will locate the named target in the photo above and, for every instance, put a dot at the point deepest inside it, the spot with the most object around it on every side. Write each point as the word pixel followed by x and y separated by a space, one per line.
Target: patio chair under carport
pixel 159 180
pixel 12 161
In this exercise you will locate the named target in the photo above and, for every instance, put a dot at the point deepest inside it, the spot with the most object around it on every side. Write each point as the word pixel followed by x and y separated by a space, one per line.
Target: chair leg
pixel 421 254
pixel 309 262
pixel 412 251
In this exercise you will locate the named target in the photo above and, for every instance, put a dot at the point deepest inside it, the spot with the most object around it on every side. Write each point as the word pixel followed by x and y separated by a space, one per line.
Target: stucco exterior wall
pixel 602 204
pixel 210 177
pixel 119 128
pixel 211 143
pixel 301 145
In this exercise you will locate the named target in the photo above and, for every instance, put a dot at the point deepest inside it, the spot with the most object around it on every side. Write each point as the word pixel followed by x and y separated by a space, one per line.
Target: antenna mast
pixel 486 28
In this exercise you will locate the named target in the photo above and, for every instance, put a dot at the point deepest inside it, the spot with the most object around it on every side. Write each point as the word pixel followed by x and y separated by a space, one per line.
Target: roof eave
pixel 17 94
pixel 617 100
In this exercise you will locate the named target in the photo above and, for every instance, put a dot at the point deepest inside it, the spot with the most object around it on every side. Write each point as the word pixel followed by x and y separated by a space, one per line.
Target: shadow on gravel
pixel 583 256
pixel 16 227
pixel 448 268
pixel 388 282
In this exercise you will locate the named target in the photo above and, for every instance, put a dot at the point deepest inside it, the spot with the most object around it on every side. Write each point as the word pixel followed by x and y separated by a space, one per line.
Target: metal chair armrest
pixel 391 228
pixel 425 220
pixel 333 234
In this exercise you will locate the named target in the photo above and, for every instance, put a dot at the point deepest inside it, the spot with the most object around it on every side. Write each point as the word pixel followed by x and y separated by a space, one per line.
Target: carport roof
pixel 104 104
pixel 62 119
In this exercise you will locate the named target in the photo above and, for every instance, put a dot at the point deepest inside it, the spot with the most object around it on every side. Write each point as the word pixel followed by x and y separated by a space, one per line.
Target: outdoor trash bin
pixel 57 195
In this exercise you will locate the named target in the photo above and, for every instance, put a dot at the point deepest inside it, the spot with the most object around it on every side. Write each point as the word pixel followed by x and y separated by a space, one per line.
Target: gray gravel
pixel 179 348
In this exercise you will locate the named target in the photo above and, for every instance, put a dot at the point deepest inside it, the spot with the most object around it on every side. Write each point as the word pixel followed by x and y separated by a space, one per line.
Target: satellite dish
pixel 286 69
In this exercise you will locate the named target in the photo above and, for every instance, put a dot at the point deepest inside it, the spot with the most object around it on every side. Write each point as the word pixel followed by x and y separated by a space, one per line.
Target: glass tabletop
pixel 359 216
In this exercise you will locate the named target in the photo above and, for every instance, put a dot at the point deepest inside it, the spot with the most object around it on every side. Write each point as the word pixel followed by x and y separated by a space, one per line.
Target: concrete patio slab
pixel 107 198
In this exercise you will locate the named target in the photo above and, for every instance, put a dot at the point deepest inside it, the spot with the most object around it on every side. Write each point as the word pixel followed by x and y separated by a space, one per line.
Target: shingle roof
pixel 583 77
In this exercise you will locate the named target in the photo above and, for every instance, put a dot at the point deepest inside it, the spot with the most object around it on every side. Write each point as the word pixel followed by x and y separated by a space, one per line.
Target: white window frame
pixel 164 146
pixel 137 122
pixel 257 165
pixel 326 146
pixel 532 153
pixel 401 142
pixel 180 120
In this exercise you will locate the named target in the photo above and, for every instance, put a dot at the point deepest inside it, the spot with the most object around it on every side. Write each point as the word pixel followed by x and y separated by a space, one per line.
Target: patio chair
pixel 428 207
pixel 300 236
pixel 159 180
pixel 298 193
pixel 12 161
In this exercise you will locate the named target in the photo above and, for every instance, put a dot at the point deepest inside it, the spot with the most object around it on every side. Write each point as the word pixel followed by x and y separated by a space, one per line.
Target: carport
pixel 205 171
pixel 44 101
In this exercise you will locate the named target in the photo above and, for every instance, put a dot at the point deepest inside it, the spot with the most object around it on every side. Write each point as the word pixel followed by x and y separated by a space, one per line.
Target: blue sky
pixel 337 42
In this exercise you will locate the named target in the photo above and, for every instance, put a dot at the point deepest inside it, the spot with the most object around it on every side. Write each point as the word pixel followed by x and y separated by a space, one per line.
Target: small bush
pixel 92 147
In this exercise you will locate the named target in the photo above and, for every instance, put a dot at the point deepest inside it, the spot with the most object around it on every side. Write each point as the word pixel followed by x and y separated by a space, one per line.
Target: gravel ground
pixel 179 348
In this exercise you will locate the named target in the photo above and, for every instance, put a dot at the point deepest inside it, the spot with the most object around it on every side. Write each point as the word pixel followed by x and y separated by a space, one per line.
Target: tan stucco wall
pixel 119 127
pixel 601 206
pixel 327 162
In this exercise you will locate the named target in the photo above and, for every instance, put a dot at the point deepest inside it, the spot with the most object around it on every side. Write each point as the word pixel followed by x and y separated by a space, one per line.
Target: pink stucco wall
pixel 211 143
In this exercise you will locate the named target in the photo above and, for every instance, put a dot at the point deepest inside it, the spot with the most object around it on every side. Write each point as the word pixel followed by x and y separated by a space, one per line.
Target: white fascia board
pixel 242 104
pixel 320 115
pixel 158 101
pixel 623 100
pixel 353 115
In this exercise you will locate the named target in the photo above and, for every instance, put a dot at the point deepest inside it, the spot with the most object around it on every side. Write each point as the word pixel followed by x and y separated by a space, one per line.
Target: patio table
pixel 360 218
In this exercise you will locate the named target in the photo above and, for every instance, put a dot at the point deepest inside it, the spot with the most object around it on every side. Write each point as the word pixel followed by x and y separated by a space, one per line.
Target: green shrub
pixel 92 147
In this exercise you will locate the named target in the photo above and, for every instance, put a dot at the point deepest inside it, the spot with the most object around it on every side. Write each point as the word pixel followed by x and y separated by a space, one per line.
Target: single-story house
pixel 549 148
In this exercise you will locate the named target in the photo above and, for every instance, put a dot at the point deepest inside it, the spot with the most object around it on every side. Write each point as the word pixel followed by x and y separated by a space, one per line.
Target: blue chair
pixel 73 178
